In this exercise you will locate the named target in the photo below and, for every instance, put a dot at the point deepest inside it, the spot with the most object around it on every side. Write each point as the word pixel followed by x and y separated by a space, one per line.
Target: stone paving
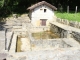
pixel 72 42
pixel 56 54
pixel 3 56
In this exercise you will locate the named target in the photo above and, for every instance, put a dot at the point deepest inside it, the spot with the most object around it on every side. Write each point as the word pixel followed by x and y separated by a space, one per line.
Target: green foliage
pixel 1 3
pixel 19 6
pixel 69 16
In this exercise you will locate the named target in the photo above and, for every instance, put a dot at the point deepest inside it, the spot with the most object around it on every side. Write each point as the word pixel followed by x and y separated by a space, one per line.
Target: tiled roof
pixel 41 3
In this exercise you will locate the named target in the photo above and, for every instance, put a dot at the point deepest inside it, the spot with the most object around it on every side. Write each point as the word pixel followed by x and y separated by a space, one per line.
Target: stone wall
pixel 38 29
pixel 64 31
pixel 76 36
pixel 58 31
pixel 67 22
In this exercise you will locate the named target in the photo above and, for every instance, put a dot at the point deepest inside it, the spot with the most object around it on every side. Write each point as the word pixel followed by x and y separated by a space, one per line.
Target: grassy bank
pixel 69 16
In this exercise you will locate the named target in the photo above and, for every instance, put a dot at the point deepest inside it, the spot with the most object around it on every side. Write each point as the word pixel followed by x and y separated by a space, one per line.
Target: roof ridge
pixel 40 3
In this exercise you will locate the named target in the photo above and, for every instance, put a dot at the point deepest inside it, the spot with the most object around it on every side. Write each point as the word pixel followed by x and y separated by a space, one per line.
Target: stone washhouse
pixel 39 35
pixel 41 13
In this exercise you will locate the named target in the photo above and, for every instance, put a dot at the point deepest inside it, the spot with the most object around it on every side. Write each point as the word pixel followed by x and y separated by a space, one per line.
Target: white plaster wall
pixel 38 14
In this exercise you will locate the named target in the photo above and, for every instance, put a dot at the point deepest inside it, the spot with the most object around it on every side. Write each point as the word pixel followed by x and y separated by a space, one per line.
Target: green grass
pixel 69 16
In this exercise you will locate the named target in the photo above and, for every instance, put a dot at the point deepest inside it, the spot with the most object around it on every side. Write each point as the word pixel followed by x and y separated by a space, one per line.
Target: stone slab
pixel 56 54
pixel 13 44
pixel 65 27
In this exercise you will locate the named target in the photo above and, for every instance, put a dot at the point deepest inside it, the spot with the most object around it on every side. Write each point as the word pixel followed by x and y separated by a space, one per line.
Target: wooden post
pixel 67 9
pixel 76 10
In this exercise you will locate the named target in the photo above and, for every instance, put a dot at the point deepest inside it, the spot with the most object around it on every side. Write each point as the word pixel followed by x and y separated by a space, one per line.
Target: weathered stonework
pixel 70 23
pixel 59 31
pixel 76 36
pixel 64 31
pixel 64 48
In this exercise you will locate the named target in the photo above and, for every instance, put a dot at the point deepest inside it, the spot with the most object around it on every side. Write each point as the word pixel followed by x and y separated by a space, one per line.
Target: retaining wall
pixel 62 33
pixel 76 36
pixel 65 31
pixel 67 22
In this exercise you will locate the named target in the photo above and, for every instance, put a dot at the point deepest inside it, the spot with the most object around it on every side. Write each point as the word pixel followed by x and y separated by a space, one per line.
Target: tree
pixel 1 3
pixel 17 6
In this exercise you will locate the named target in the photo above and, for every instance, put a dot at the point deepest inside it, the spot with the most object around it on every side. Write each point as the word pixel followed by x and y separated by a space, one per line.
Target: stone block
pixel 76 36
pixel 72 23
pixel 77 24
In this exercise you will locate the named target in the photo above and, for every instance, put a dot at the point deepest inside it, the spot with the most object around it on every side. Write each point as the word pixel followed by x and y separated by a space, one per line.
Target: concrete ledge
pixel 61 43
pixel 56 54
pixel 65 27
pixel 9 36
pixel 13 44
pixel 17 27
pixel 71 42
pixel 65 31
